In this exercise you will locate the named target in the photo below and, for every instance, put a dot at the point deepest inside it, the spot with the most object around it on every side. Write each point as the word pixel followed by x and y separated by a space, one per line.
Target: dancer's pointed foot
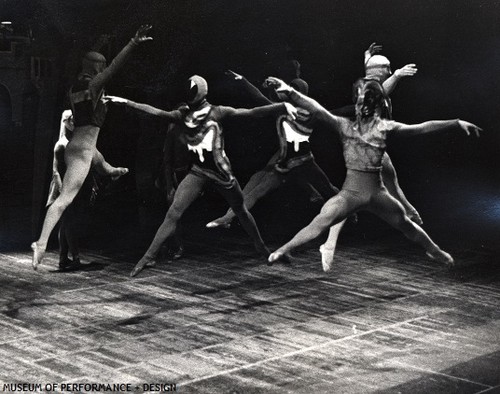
pixel 275 256
pixel 442 257
pixel 177 254
pixel 415 217
pixel 117 172
pixel 223 223
pixel 144 262
pixel 64 263
pixel 37 255
pixel 327 255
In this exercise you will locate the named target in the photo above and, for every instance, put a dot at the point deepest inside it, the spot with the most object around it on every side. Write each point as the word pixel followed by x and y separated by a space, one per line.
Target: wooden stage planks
pixel 385 320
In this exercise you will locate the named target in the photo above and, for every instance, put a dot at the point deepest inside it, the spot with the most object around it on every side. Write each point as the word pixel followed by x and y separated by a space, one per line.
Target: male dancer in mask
pixel 202 132
pixel 294 160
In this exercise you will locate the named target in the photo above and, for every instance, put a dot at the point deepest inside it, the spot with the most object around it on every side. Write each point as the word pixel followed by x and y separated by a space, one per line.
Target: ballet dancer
pixel 202 132
pixel 89 111
pixel 68 238
pixel 293 162
pixel 377 67
pixel 364 144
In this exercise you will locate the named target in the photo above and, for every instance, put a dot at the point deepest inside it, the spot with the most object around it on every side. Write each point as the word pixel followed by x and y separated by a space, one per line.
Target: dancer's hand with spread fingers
pixel 470 128
pixel 142 34
pixel 373 49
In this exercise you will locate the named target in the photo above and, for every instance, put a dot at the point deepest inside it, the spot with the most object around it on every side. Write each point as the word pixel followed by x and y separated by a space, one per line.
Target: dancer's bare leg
pixel 78 158
pixel 104 168
pixel 188 191
pixel 391 182
pixel 391 210
pixel 334 211
pixel 327 250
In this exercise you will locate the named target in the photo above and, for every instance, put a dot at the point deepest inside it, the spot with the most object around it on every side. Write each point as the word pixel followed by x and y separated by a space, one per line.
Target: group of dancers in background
pixel 370 184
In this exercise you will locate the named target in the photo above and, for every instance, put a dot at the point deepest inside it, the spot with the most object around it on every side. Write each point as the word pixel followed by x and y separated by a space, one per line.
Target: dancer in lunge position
pixel 202 132
pixel 68 233
pixel 364 143
pixel 294 162
pixel 89 111
pixel 377 67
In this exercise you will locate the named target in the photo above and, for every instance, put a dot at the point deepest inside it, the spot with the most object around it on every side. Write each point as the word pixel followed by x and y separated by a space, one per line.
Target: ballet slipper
pixel 327 255
pixel 218 223
pixel 37 255
pixel 178 253
pixel 118 172
pixel 275 256
pixel 64 263
pixel 415 217
pixel 144 262
pixel 441 257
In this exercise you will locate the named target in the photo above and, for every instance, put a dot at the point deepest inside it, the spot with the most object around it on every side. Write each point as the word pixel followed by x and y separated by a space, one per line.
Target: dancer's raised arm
pixel 107 73
pixel 251 89
pixel 305 102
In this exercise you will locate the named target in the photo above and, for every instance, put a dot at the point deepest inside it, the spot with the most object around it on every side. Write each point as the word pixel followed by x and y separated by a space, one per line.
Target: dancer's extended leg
pixel 391 182
pixel 234 197
pixel 319 180
pixel 334 211
pixel 187 192
pixel 78 162
pixel 260 184
pixel 391 210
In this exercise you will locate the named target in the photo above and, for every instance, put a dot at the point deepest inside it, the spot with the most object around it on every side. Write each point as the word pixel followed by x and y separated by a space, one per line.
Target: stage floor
pixel 219 321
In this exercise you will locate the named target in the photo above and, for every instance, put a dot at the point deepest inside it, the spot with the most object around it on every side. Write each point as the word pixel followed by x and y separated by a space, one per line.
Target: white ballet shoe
pixel 327 256
pixel 37 255
pixel 218 223
pixel 144 262
pixel 275 256
pixel 442 257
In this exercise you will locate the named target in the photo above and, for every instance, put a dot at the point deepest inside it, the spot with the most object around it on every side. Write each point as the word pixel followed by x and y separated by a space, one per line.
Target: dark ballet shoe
pixel 177 254
pixel 37 255
pixel 64 263
pixel 67 264
pixel 141 265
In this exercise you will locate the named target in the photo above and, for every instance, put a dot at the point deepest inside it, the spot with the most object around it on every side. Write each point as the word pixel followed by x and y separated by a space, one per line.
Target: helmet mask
pixel 196 91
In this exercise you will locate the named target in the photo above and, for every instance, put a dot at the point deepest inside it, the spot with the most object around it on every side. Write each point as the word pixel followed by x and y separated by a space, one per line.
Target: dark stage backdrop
pixel 453 180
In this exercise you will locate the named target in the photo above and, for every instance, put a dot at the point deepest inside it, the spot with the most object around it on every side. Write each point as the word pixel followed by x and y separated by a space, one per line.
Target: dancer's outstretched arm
pixel 433 126
pixel 251 89
pixel 259 112
pixel 306 102
pixel 172 116
pixel 102 78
